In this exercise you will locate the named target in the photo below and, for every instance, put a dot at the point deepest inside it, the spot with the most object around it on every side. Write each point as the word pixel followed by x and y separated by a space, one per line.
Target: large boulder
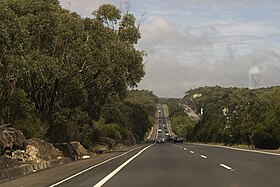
pixel 43 150
pixel 11 140
pixel 73 149
pixel 131 139
pixel 109 142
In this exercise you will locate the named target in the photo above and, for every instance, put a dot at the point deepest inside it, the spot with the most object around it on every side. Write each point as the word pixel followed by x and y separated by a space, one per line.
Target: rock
pixel 131 139
pixel 11 140
pixel 7 162
pixel 42 150
pixel 33 155
pixel 109 142
pixel 73 149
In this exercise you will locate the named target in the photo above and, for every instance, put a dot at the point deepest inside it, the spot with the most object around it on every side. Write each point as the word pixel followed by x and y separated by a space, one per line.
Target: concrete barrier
pixel 22 170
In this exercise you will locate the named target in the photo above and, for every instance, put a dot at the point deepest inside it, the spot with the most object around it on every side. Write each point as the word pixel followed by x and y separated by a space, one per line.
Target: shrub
pixel 266 137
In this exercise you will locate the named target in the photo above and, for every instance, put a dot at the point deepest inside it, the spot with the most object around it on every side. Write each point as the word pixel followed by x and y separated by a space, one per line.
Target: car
pixel 178 139
pixel 169 138
pixel 159 130
pixel 160 140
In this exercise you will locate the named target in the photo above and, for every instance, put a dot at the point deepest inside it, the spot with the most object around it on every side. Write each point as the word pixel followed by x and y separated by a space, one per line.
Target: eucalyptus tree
pixel 54 62
pixel 117 63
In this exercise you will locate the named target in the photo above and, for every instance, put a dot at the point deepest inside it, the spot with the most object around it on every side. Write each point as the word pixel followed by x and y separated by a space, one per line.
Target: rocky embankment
pixel 19 156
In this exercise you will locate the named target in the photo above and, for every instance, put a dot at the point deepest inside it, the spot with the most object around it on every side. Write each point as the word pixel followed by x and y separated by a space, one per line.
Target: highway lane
pixel 198 165
pixel 250 168
pixel 169 164
pixel 164 164
pixel 100 165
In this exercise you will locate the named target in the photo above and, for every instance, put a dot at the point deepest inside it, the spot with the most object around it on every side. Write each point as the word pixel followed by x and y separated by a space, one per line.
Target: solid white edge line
pixel 238 149
pixel 203 156
pixel 83 171
pixel 109 176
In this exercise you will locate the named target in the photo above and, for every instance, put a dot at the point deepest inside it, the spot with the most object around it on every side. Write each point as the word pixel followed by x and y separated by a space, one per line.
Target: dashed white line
pixel 203 156
pixel 191 152
pixel 227 167
pixel 239 149
pixel 181 147
pixel 185 149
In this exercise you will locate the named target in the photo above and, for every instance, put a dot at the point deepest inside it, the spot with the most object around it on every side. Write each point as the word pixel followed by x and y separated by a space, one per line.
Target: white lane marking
pixel 81 172
pixel 181 147
pixel 227 167
pixel 185 149
pixel 203 156
pixel 108 177
pixel 191 152
pixel 238 149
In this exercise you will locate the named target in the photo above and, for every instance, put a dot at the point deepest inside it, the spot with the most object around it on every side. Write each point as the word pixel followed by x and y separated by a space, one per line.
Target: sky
pixel 196 43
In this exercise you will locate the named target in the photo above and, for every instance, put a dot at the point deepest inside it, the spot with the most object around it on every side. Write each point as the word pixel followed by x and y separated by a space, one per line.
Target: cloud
pixel 193 43
pixel 85 7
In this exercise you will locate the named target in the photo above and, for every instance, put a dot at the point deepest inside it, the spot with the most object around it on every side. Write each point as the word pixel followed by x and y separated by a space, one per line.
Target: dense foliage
pixel 59 70
pixel 237 115
pixel 134 114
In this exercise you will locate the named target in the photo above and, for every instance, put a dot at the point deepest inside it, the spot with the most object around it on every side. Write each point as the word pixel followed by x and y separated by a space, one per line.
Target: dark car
pixel 178 139
pixel 160 140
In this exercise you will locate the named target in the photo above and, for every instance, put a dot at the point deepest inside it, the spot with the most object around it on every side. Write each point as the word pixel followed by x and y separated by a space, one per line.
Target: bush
pixel 111 131
pixel 31 128
pixel 266 137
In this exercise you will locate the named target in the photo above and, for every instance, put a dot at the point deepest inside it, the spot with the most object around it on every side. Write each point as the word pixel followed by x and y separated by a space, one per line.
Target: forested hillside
pixel 64 77
pixel 237 115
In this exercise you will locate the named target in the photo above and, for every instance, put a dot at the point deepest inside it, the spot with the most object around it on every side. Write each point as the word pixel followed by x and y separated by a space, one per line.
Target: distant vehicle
pixel 159 130
pixel 167 134
pixel 160 140
pixel 178 139
pixel 169 138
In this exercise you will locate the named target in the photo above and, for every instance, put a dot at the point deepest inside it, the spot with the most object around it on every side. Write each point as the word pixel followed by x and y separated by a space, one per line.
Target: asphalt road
pixel 164 164
pixel 197 165
pixel 167 164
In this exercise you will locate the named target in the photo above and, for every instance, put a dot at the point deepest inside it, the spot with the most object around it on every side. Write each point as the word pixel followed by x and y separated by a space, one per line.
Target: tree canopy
pixel 58 69
pixel 237 115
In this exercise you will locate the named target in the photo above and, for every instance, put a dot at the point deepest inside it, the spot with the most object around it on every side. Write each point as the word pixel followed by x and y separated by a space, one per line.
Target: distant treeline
pixel 235 116
pixel 64 77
